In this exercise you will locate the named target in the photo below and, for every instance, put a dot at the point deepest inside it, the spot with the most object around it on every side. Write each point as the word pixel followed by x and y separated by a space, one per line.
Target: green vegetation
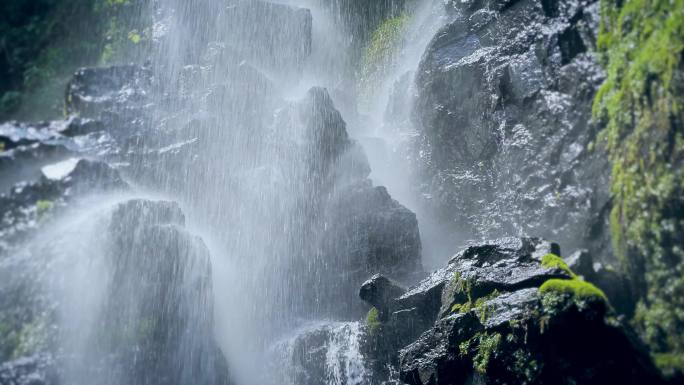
pixel 43 207
pixel 43 42
pixel 379 55
pixel 552 261
pixel 576 288
pixel 373 320
pixel 486 346
pixel 641 43
pixel 670 363
pixel 479 305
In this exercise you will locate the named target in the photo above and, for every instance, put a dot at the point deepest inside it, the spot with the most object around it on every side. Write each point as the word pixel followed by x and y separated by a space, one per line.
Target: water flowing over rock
pixel 226 209
pixel 323 354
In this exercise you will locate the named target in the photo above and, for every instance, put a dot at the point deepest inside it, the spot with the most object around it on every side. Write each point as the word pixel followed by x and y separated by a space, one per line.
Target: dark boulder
pixel 379 291
pixel 510 313
pixel 161 289
pixel 505 312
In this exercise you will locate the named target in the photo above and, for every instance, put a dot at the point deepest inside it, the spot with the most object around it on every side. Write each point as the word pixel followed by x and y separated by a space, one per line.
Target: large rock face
pixel 282 40
pixel 157 324
pixel 504 106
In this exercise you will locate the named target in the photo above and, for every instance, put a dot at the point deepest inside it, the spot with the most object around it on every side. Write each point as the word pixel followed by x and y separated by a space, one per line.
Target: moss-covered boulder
pixel 510 312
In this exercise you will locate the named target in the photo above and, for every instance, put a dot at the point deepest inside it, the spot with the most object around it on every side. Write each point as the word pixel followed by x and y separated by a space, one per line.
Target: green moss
pixel 373 320
pixel 641 45
pixel 43 207
pixel 669 363
pixel 379 55
pixel 487 344
pixel 479 306
pixel 552 261
pixel 576 288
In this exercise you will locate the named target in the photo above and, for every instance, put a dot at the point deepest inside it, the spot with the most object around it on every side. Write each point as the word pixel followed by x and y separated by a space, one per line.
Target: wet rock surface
pixel 504 108
pixel 33 370
pixel 151 253
pixel 487 328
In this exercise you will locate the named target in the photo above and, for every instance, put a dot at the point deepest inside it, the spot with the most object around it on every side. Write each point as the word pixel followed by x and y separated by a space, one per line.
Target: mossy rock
pixel 552 261
pixel 575 288
pixel 373 321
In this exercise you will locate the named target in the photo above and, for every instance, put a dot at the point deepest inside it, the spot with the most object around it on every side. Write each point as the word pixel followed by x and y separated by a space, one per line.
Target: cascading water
pixel 247 116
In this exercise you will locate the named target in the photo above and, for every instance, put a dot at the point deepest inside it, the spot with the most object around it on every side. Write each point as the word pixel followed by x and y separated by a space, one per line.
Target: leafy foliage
pixel 42 42
pixel 641 44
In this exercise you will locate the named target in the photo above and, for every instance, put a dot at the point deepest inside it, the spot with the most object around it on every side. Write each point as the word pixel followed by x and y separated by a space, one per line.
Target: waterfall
pixel 321 352
pixel 250 201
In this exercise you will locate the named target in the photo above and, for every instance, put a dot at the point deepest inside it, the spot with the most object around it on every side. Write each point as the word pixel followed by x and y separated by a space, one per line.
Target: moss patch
pixel 552 261
pixel 373 320
pixel 641 106
pixel 576 288
pixel 379 56
pixel 479 306
pixel 669 363
pixel 43 207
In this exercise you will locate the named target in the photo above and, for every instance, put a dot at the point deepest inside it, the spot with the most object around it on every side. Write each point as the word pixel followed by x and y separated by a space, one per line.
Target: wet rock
pixel 581 263
pixel 615 284
pixel 94 90
pixel 255 30
pixel 381 235
pixel 504 107
pixel 29 204
pixel 513 331
pixel 379 291
pixel 322 353
pixel 506 264
pixel 33 370
pixel 618 288
pixel 23 163
pixel 357 229
pixel 490 317
pixel 155 262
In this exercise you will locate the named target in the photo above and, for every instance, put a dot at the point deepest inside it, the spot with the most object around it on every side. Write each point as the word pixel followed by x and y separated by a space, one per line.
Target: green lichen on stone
pixel 552 261
pixel 373 320
pixel 641 106
pixel 576 288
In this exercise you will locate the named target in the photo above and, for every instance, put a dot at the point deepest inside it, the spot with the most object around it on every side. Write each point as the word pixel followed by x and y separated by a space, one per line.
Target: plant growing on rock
pixel 373 321
pixel 641 43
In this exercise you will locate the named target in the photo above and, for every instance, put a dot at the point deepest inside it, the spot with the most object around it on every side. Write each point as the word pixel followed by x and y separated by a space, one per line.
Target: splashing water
pixel 249 120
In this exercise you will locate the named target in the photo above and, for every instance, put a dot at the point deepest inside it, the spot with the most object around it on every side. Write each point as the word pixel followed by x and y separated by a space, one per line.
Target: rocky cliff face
pixel 504 95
